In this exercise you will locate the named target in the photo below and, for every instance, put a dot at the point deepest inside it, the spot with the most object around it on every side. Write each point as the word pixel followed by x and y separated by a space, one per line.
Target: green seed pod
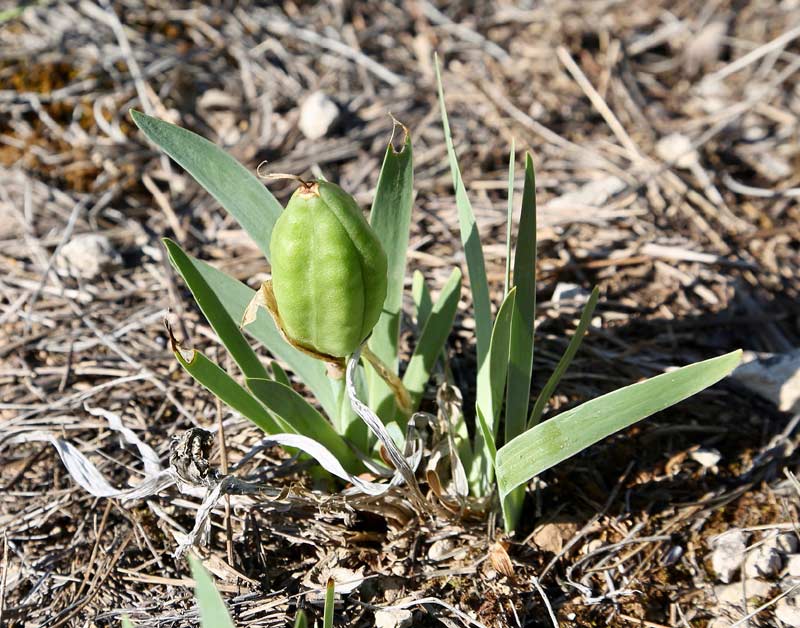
pixel 328 271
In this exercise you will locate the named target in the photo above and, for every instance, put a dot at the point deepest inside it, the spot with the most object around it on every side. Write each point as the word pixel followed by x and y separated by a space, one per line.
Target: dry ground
pixel 694 257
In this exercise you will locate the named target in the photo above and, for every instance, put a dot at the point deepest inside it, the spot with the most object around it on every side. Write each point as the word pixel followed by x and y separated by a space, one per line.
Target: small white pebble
pixel 317 115
pixel 793 564
pixel 677 149
pixel 707 458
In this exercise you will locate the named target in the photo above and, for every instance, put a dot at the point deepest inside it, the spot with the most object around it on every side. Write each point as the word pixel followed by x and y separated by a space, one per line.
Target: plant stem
pixel 401 394
pixel 512 508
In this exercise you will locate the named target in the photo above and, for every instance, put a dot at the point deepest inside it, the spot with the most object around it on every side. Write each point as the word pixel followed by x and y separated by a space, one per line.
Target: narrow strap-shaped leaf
pixel 421 295
pixel 218 382
pixel 390 218
pixel 213 613
pixel 492 375
pixel 234 297
pixel 278 374
pixel 330 603
pixel 482 471
pixel 300 620
pixel 570 432
pixel 520 359
pixel 215 313
pixel 488 441
pixel 347 421
pixel 491 386
pixel 303 418
pixel 510 216
pixel 566 359
pixel 234 186
pixel 470 239
pixel 433 337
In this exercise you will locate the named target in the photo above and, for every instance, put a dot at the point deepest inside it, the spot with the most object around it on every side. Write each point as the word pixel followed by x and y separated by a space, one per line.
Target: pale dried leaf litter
pixel 190 467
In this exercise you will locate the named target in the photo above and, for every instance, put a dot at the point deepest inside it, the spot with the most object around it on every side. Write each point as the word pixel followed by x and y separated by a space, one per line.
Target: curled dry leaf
pixel 346 580
pixel 500 560
pixel 189 457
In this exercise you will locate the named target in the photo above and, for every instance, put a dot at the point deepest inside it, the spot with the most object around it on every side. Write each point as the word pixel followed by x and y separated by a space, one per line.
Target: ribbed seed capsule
pixel 328 270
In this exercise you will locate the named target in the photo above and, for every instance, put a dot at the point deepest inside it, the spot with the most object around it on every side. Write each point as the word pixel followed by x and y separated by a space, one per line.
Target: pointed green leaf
pixel 570 432
pixel 470 239
pixel 347 421
pixel 390 218
pixel 219 383
pixel 491 386
pixel 327 615
pixel 234 297
pixel 215 313
pixel 300 620
pixel 303 418
pixel 492 375
pixel 234 186
pixel 481 473
pixel 126 622
pixel 213 613
pixel 421 295
pixel 566 359
pixel 520 359
pixel 510 216
pixel 279 375
pixel 488 442
pixel 433 338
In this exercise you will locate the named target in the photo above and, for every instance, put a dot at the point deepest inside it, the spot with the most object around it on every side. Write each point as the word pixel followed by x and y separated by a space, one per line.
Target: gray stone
pixel 87 255
pixel 763 562
pixel 733 594
pixel 391 618
pixel 775 377
pixel 565 291
pixel 728 554
pixel 783 542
